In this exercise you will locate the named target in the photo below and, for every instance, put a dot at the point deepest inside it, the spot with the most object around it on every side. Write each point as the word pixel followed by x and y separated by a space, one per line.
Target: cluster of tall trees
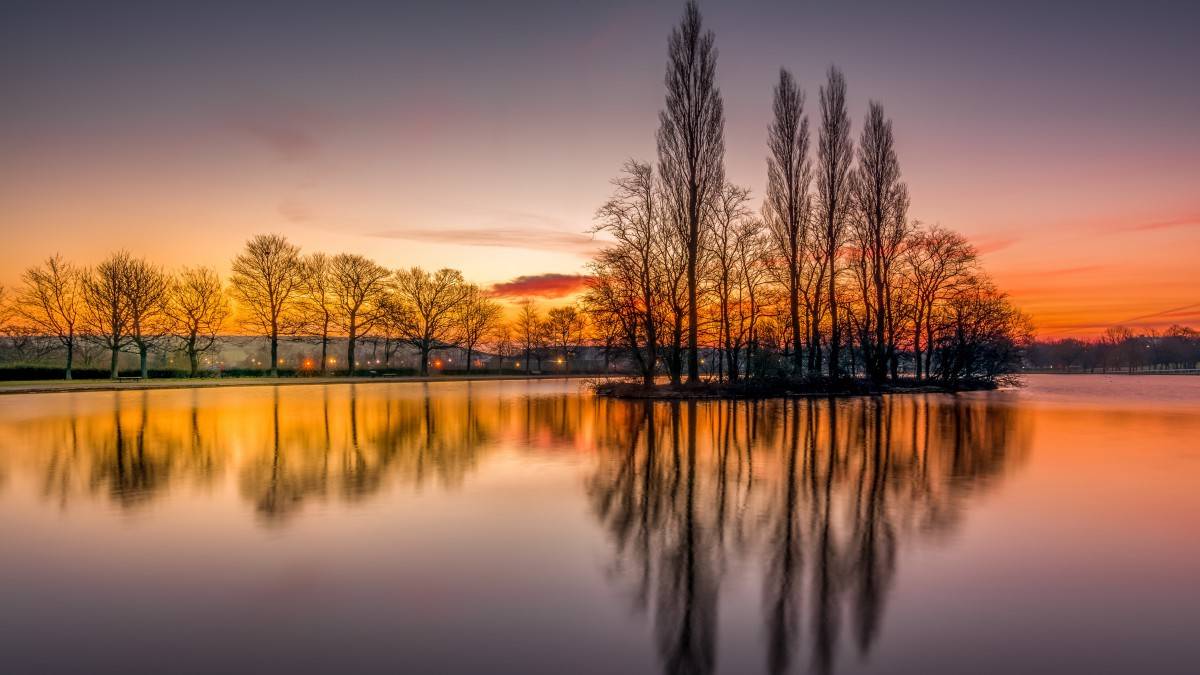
pixel 275 291
pixel 1121 349
pixel 830 277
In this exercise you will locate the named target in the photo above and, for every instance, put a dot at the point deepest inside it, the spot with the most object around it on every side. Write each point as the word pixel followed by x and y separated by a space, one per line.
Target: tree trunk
pixel 424 361
pixel 70 357
pixel 142 349
pixel 470 351
pixel 834 333
pixel 274 353
pixel 113 365
pixel 351 343
pixel 693 358
pixel 194 362
pixel 325 350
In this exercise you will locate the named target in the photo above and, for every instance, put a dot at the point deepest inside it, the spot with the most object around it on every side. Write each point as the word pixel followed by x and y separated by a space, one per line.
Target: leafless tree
pixel 936 260
pixel 51 301
pixel 501 340
pixel 267 281
pixel 429 305
pixel 106 315
pixel 480 316
pixel 834 155
pixel 691 148
pixel 359 287
pixel 788 205
pixel 317 306
pixel 628 275
pixel 198 309
pixel 564 328
pixel 529 328
pixel 725 221
pixel 147 292
pixel 879 227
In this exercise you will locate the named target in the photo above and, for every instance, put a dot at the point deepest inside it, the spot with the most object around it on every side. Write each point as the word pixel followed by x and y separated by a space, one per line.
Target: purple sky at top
pixel 1063 139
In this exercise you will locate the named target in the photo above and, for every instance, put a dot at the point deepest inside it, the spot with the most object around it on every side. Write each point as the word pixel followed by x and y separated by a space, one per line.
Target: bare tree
pixel 147 291
pixel 564 329
pixel 629 274
pixel 879 226
pixel 360 288
pixel 691 148
pixel 502 344
pixel 834 154
pixel 529 327
pixel 788 207
pixel 936 260
pixel 51 300
pixel 267 279
pixel 106 316
pixel 198 310
pixel 429 305
pixel 725 227
pixel 317 305
pixel 480 316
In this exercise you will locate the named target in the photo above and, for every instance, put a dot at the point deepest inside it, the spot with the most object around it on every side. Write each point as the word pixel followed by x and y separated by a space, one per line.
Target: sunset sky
pixel 482 136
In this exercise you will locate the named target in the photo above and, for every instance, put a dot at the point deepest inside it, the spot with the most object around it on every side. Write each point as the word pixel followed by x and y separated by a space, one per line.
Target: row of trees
pixel 128 304
pixel 1120 348
pixel 830 276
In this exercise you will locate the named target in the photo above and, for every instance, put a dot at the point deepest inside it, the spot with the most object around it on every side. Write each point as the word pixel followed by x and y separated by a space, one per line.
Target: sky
pixel 1063 141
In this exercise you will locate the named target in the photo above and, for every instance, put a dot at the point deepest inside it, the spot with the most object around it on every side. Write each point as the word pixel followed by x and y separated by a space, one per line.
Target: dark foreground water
pixel 526 527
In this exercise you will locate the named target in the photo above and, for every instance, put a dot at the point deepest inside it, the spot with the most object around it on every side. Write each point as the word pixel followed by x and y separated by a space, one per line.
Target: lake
pixel 529 527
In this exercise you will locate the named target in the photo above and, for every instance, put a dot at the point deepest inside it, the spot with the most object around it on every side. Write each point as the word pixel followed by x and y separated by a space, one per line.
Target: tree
pixel 480 317
pixel 51 300
pixel 502 344
pixel 198 310
pixel 626 281
pixel 106 314
pixel 429 306
pixel 316 302
pixel 725 252
pixel 691 148
pixel 787 205
pixel 267 279
pixel 147 291
pixel 935 260
pixel 878 222
pixel 564 327
pixel 360 287
pixel 834 153
pixel 529 328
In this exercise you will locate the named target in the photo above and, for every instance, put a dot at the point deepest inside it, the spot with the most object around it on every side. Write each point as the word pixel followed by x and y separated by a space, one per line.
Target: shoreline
pixel 710 391
pixel 76 386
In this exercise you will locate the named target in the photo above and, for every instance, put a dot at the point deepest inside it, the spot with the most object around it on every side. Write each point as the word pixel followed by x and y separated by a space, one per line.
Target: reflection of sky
pixel 1062 140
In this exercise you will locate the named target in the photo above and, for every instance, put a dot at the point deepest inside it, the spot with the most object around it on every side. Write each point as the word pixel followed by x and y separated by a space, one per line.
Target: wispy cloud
pixel 1187 221
pixel 541 285
pixel 987 245
pixel 507 237
pixel 287 142
pixel 295 211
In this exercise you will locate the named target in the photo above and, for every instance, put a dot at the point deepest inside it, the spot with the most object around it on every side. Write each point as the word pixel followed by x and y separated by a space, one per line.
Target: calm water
pixel 531 528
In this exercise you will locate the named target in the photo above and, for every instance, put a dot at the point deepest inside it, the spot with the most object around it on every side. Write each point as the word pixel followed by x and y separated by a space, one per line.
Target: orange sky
pixel 1063 146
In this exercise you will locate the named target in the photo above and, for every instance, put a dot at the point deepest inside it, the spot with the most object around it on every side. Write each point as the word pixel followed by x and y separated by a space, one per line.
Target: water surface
pixel 527 527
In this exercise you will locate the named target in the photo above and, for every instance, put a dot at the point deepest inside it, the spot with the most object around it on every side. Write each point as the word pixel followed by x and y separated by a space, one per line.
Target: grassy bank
pixel 59 386
pixel 783 388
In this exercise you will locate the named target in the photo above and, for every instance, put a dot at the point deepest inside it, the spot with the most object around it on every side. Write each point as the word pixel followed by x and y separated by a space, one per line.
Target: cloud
pixel 541 285
pixel 1188 221
pixel 507 237
pixel 295 211
pixel 288 142
pixel 992 244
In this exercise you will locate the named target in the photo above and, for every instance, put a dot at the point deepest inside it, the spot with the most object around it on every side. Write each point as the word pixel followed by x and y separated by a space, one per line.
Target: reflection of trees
pixel 820 494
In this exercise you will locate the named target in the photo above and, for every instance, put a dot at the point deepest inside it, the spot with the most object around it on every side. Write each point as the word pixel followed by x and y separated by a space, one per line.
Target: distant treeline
pixel 1120 349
